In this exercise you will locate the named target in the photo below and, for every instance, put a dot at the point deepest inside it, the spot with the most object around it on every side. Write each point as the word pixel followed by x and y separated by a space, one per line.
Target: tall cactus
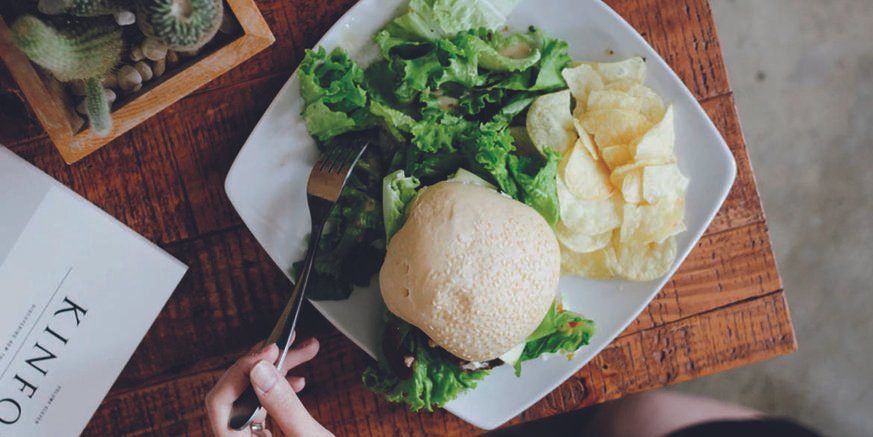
pixel 181 24
pixel 88 52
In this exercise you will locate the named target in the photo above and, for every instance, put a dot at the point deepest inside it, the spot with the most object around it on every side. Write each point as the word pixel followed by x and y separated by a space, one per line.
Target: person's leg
pixel 659 413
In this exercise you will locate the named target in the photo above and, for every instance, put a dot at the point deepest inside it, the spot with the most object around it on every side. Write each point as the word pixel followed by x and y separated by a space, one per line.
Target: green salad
pixel 447 97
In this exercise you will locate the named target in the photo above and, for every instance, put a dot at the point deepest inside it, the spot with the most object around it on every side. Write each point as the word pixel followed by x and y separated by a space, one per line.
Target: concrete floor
pixel 802 71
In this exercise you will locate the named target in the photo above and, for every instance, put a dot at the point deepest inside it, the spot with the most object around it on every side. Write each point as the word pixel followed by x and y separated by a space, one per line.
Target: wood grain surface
pixel 724 308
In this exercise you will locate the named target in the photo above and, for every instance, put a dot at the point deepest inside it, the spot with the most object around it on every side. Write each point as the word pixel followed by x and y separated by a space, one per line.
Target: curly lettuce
pixel 435 380
pixel 561 331
pixel 428 20
pixel 332 88
pixel 537 183
pixel 398 191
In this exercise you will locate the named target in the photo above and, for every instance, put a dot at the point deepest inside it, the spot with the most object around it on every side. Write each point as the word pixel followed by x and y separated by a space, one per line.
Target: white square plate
pixel 267 186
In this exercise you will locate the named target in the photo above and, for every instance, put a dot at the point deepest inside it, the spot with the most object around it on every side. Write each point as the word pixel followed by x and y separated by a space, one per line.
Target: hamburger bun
pixel 475 270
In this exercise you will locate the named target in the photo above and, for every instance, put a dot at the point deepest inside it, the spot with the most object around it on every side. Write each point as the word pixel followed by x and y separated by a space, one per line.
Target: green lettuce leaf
pixel 561 331
pixel 555 58
pixel 546 74
pixel 494 50
pixel 433 167
pixel 323 123
pixel 445 61
pixel 488 149
pixel 435 379
pixel 439 133
pixel 538 183
pixel 469 59
pixel 398 191
pixel 395 121
pixel 428 20
pixel 331 87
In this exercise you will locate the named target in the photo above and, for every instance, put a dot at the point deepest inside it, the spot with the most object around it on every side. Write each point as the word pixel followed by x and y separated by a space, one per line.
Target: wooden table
pixel 724 308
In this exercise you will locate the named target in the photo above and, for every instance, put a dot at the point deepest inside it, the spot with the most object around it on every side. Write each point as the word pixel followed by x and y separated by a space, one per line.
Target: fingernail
pixel 264 376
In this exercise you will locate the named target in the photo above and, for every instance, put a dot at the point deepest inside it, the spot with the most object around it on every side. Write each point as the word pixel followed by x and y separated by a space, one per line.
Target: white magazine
pixel 78 291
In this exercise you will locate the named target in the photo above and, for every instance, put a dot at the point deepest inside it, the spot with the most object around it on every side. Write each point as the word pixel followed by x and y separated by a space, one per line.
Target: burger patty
pixel 401 360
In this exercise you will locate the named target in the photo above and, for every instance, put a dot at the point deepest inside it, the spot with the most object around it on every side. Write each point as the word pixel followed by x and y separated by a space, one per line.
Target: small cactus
pixel 98 107
pixel 181 24
pixel 86 52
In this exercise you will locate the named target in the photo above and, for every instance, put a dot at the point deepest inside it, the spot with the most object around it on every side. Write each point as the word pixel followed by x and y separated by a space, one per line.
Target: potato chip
pixel 618 173
pixel 588 217
pixel 644 262
pixel 615 126
pixel 550 123
pixel 581 243
pixel 651 105
pixel 592 265
pixel 633 70
pixel 632 187
pixel 582 79
pixel 605 99
pixel 586 178
pixel 651 223
pixel 657 144
pixel 621 85
pixel 663 182
pixel 615 156
pixel 585 137
pixel 625 141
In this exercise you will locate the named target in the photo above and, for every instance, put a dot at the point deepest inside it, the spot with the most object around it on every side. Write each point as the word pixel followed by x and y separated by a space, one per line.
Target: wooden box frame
pixel 55 111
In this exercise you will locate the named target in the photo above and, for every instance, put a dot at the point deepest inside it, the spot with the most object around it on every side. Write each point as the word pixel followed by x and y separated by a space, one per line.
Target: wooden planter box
pixel 55 108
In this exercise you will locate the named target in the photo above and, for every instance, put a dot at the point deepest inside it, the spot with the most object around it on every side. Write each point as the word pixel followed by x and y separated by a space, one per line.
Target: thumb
pixel 281 403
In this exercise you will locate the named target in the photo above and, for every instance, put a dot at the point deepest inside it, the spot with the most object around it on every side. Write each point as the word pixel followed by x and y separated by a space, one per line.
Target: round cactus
pixel 181 24
pixel 87 52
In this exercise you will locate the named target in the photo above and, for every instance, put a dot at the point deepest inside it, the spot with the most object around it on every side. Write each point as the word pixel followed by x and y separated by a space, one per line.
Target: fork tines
pixel 337 158
pixel 330 173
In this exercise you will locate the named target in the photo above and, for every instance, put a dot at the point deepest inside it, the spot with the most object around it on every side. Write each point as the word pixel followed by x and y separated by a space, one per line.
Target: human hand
pixel 276 392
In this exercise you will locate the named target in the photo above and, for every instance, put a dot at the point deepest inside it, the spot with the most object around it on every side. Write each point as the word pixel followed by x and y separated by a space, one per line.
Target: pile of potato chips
pixel 621 193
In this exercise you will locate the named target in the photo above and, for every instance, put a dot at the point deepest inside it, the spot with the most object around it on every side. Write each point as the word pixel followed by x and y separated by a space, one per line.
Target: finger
pixel 235 380
pixel 301 353
pixel 231 385
pixel 297 383
pixel 280 401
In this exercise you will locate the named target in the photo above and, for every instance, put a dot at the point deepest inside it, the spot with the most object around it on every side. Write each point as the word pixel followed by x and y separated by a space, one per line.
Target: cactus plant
pixel 98 107
pixel 181 24
pixel 88 51
pixel 120 9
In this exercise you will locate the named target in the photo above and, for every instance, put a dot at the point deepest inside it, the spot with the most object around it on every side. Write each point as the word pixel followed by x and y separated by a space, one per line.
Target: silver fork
pixel 326 182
